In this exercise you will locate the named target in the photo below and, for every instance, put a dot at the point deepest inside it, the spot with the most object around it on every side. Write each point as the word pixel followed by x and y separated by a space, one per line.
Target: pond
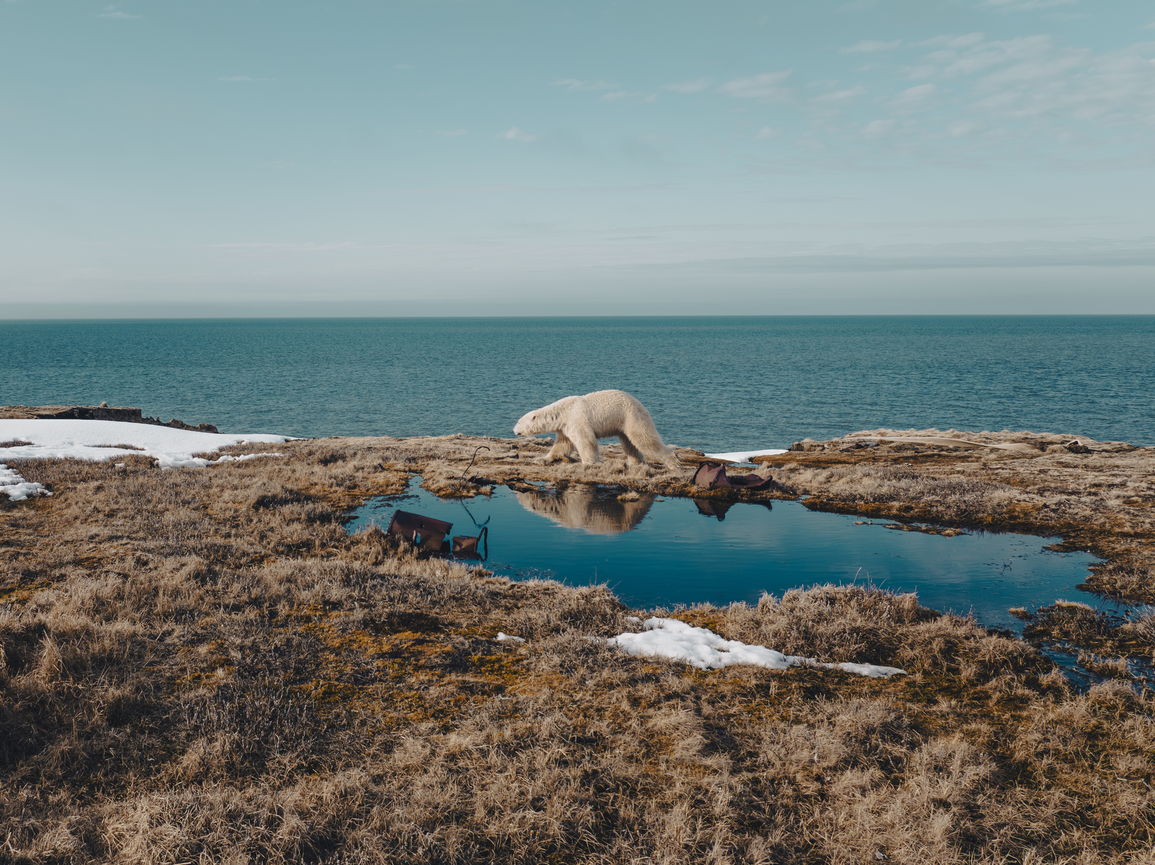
pixel 665 552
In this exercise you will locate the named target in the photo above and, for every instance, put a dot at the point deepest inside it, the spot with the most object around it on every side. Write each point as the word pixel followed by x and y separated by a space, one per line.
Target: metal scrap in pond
pixel 717 508
pixel 425 533
pixel 430 535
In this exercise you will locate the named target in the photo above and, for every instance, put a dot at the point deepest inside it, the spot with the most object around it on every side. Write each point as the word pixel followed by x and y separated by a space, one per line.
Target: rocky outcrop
pixel 96 412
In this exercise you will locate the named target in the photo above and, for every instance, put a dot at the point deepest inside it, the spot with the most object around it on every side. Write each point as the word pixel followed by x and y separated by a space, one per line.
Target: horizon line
pixel 679 316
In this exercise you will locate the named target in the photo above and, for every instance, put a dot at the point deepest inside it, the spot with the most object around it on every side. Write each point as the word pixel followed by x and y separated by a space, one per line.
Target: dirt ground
pixel 202 665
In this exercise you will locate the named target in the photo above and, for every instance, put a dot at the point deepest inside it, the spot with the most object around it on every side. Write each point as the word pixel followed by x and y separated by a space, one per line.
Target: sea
pixel 714 383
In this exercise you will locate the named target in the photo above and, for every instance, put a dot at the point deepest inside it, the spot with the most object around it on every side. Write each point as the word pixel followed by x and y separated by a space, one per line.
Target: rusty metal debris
pixel 423 532
pixel 476 451
pixel 713 507
pixel 432 536
pixel 470 547
pixel 712 476
pixel 718 508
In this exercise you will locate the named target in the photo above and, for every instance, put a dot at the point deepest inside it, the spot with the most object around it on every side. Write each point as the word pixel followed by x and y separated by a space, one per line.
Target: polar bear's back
pixel 611 411
pixel 607 411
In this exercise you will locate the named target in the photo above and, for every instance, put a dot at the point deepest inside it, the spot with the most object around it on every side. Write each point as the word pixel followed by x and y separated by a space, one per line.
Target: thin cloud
pixel 837 97
pixel 963 41
pixel 913 98
pixel 629 96
pixel 1034 77
pixel 767 87
pixel 515 133
pixel 1025 5
pixel 945 256
pixel 688 87
pixel 871 46
pixel 1116 89
pixel 962 128
pixel 1021 88
pixel 981 55
pixel 642 149
pixel 305 246
pixel 876 129
pixel 115 13
pixel 584 86
pixel 766 133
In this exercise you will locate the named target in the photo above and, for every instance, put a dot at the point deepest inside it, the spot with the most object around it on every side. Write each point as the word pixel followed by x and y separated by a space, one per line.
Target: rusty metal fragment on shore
pixel 712 476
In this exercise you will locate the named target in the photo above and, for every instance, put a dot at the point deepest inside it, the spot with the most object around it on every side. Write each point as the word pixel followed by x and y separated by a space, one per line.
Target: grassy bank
pixel 201 665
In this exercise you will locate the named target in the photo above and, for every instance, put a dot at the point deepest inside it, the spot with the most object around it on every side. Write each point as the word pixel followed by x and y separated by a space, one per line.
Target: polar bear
pixel 580 421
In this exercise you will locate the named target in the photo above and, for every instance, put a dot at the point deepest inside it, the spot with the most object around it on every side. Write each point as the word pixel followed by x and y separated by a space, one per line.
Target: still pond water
pixel 666 552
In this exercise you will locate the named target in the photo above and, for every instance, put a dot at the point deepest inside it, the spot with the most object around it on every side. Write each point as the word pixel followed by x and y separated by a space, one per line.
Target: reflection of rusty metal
pixel 472 518
pixel 469 547
pixel 713 507
pixel 425 533
pixel 718 508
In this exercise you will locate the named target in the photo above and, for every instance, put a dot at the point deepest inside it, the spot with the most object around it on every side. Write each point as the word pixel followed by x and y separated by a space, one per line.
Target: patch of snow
pixel 97 440
pixel 229 458
pixel 16 488
pixel 701 648
pixel 745 456
pixel 509 638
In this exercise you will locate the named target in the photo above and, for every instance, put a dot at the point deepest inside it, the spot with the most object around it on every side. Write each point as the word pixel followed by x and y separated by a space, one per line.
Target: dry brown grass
pixel 202 666
pixel 1102 501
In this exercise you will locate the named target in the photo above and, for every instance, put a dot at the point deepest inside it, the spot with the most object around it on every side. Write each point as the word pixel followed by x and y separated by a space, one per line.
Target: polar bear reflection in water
pixel 585 507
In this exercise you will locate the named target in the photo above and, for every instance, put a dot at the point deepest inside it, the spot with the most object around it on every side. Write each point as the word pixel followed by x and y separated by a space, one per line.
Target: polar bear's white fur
pixel 580 421
pixel 580 506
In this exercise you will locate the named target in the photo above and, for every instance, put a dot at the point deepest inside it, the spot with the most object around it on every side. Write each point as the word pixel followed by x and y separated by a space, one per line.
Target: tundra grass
pixel 201 665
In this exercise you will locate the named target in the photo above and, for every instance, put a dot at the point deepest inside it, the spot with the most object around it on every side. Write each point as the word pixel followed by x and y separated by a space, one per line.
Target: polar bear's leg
pixel 663 455
pixel 633 455
pixel 645 439
pixel 562 449
pixel 586 443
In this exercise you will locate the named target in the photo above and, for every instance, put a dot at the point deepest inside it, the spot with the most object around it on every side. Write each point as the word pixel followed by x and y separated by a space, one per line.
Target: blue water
pixel 664 552
pixel 712 383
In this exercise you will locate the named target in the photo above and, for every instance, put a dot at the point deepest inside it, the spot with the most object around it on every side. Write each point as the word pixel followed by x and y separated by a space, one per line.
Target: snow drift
pixel 102 440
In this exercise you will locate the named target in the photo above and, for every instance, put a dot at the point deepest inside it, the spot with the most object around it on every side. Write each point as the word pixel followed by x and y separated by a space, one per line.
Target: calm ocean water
pixel 712 383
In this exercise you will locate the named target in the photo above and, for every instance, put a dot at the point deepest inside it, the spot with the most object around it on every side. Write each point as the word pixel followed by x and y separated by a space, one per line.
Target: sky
pixel 533 157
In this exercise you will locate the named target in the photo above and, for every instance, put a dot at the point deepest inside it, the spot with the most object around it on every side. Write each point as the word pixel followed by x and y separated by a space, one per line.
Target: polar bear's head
pixel 528 425
pixel 548 418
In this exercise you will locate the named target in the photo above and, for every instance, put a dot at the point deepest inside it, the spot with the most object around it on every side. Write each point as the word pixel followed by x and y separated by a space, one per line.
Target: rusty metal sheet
pixel 424 532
